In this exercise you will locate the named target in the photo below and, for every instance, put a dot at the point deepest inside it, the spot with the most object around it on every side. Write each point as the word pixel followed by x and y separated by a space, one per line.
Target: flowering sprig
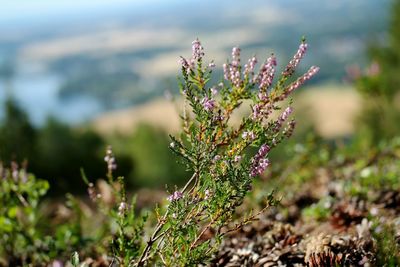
pixel 119 216
pixel 290 68
pixel 259 162
pixel 110 160
pixel 217 153
pixel 208 104
pixel 175 196
pixel 266 75
pixel 232 70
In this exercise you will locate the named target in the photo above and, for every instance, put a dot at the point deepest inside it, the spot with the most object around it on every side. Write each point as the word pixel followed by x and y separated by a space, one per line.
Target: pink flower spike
pixel 300 81
pixel 197 50
pixel 175 196
pixel 295 60
pixel 208 104
pixel 285 114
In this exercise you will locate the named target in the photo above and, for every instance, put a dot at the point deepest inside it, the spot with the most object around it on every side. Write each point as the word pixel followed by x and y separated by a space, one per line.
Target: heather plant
pixel 121 228
pixel 217 153
pixel 223 159
pixel 27 235
pixel 21 242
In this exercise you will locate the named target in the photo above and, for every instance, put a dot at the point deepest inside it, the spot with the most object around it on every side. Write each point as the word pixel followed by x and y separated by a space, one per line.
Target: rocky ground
pixel 347 231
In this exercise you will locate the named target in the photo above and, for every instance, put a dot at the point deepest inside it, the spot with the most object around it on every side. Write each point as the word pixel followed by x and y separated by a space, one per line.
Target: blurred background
pixel 78 75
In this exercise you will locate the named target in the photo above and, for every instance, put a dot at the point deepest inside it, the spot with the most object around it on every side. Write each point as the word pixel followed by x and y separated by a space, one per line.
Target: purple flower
pixel 259 162
pixel 197 50
pixel 311 72
pixel 175 196
pixel 285 114
pixel 211 65
pixel 231 70
pixel 122 208
pixel 262 110
pixel 296 59
pixel 92 192
pixel 216 158
pixel 300 81
pixel 249 135
pixel 282 118
pixel 249 67
pixel 266 74
pixel 236 54
pixel 56 263
pixel 299 55
pixel 214 90
pixel 263 96
pixel 264 149
pixel 256 111
pixel 290 128
pixel 237 158
pixel 110 159
pixel 259 168
pixel 226 71
pixel 184 63
pixel 207 103
pixel 235 76
pixel 218 117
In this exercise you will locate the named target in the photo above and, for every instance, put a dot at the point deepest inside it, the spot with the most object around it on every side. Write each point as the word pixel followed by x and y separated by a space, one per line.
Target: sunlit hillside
pixel 331 108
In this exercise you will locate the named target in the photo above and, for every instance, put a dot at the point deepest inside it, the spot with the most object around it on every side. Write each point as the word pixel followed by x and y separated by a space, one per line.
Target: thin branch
pixel 246 221
pixel 23 200
pixel 154 237
pixel 194 243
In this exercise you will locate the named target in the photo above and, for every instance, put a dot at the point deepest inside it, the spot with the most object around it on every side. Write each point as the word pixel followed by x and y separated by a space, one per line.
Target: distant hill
pixel 126 54
pixel 331 108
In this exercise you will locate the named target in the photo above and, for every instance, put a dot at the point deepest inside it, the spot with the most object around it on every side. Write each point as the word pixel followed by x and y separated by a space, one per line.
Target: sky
pixel 21 10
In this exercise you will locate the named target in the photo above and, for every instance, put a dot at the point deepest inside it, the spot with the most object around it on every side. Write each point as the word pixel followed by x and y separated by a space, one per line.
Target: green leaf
pixel 5 225
pixel 12 212
pixel 75 258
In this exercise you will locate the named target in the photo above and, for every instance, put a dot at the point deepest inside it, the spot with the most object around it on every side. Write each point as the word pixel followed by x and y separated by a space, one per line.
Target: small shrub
pixel 216 153
pixel 21 242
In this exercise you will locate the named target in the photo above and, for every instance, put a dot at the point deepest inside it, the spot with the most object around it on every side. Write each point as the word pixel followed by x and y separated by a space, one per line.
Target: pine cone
pixel 325 258
pixel 389 198
pixel 347 213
